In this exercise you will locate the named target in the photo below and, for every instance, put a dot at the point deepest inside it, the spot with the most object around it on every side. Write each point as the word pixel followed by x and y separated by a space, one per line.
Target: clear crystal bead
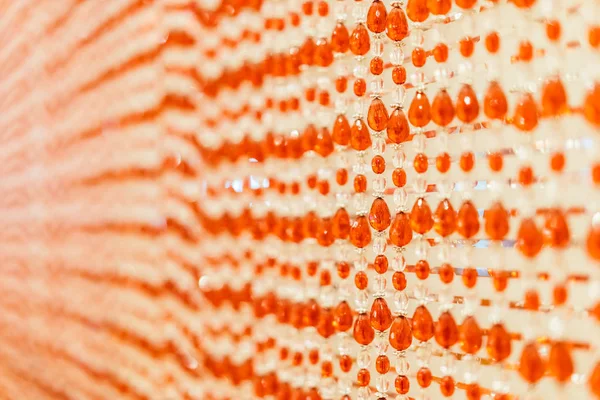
pixel 422 248
pixel 448 366
pixel 377 47
pixel 397 55
pixel 364 359
pixel 376 85
pixel 400 198
pixel 400 302
pixel 401 364
pixel 380 285
pixel 363 393
pixel 421 292
pixel 360 105
pixel 382 384
pixel 344 385
pixel 417 37
pixel 379 244
pixel 470 365
pixel 424 353
pixel 359 12
pixel 398 262
pixel 381 343
pixel 378 145
pixel 361 263
pixel 420 186
pixel 379 184
pixel 340 10
pixel 361 203
pixel 360 70
pixel 398 159
pixel 361 300
pixel 419 143
pixel 345 343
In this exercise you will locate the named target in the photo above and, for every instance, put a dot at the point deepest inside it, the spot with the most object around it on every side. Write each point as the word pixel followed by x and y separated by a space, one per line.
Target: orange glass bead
pixel 376 17
pixel 591 105
pixel 360 138
pixel 380 264
pixel 345 363
pixel 495 105
pixel 424 377
pixel 341 176
pixel 469 277
pixel 440 52
pixel 397 25
pixel 422 269
pixel 399 177
pixel 467 46
pixel 444 219
pixel 422 324
pixel 473 392
pixel 594 380
pixel 323 8
pixel 421 163
pixel 307 52
pixel 376 66
pixel 379 215
pixel 310 314
pixel 467 106
pixel 471 335
pixel 400 333
pixel 525 50
pixel 360 183
pixel 363 377
pixel 341 130
pixel 439 7
pixel 556 229
pixel 363 331
pixel 529 238
pixel 340 38
pixel 324 143
pixel 398 130
pixel 531 365
pixel 418 57
pixel 593 242
pixel 419 113
pixel 500 280
pixel 554 97
pixel 342 317
pixel 402 384
pixel 446 331
pixel 360 87
pixel 466 4
pixel 340 224
pixel 523 3
pixel 496 221
pixel 553 30
pixel 325 325
pixel 359 40
pixel 341 84
pixel 399 280
pixel 492 42
pixel 495 161
pixel 560 362
pixel 526 113
pixel 557 161
pixel 323 56
pixel 400 230
pixel 447 386
pixel 559 295
pixel 421 219
pixel 594 36
pixel 442 109
pixel 532 300
pixel 442 162
pixel 446 273
pixel 498 343
pixel 399 75
pixel 378 164
pixel 360 233
pixel 381 316
pixel 382 364
pixel 467 220
pixel 326 369
pixel 417 10
pixel 343 269
pixel 377 116
pixel 325 232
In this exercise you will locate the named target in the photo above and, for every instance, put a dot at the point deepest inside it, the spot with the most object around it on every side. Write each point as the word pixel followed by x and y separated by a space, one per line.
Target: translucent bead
pixel 418 143
pixel 379 244
pixel 361 203
pixel 378 145
pixel 360 105
pixel 424 353
pixel 398 159
pixel 397 55
pixel 361 263
pixel 448 366
pixel 341 105
pixel 360 70
pixel 400 302
pixel 360 167
pixel 361 300
pixel 376 85
pixel 345 344
pixel 340 10
pixel 421 292
pixel 327 389
pixel 417 38
pixel 399 95
pixel 381 343
pixel 422 248
pixel 344 385
pixel 398 262
pixel 471 368
pixel 420 186
pixel 380 285
pixel 364 359
pixel 364 393
pixel 401 365
pixel 382 384
pixel 377 47
pixel 400 198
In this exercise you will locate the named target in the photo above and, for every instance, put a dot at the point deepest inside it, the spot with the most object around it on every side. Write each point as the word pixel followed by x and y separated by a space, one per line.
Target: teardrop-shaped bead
pixel 471 335
pixel 593 242
pixel 554 97
pixel 359 40
pixel 397 25
pixel 419 113
pixel 498 344
pixel 342 317
pixel 323 53
pixel 377 116
pixel 442 109
pixel 531 365
pixel 376 17
pixel 556 229
pixel 324 144
pixel 417 10
pixel 591 105
pixel 496 221
pixel 310 313
pixel 526 113
pixel 398 130
pixel 400 334
pixel 495 105
pixel 310 224
pixel 360 138
pixel 560 362
pixel 421 220
pixel 379 215
pixel 381 316
pixel 446 331
pixel 444 218
pixel 325 325
pixel 341 130
pixel 468 220
pixel 340 38
pixel 363 331
pixel 467 106
pixel 422 324
pixel 307 51
pixel 400 230
pixel 439 7
pixel 325 232
pixel 341 224
pixel 309 138
pixel 529 238
pixel 360 233
pixel 594 380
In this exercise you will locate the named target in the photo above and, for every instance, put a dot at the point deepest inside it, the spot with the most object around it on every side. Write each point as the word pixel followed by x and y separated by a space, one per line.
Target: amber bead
pixel 419 113
pixel 594 36
pixel 360 87
pixel 343 269
pixel 532 300
pixel 360 138
pixel 399 75
pixel 399 177
pixel 360 183
pixel 378 164
pixel 553 30
pixel 473 392
pixel 400 230
pixel 420 163
pixel 381 316
pixel 361 280
pixel 495 161
pixel 341 84
pixel 525 50
pixel 324 143
pixel 529 238
pixel 470 335
pixel 467 106
pixel 341 130
pixel 446 331
pixel 554 97
pixel 422 269
pixel 376 66
pixel 340 38
pixel 467 220
pixel 323 55
pixel 422 324
pixel 591 106
pixel 326 369
pixel 402 384
pixel 467 46
pixel 424 377
pixel 439 7
pixel 363 331
pixel 495 105
pixel 496 221
pixel 421 219
pixel 526 113
pixel 556 229
pixel 559 295
pixel 382 364
pixel 398 130
pixel 359 40
pixel 341 224
pixel 469 277
pixel 442 162
pixel 531 364
pixel 447 386
pixel 444 218
pixel 492 42
pixel 593 242
pixel 442 109
pixel 363 377
pixel 399 280
pixel 341 176
pixel 417 10
pixel 360 233
pixel 400 333
pixel 440 52
pixel 557 161
pixel 446 273
pixel 377 116
pixel 325 326
pixel 376 17
pixel 500 280
pixel 498 343
pixel 594 380
pixel 342 317
pixel 307 52
pixel 380 264
pixel 560 363
pixel 397 25
pixel 379 215
pixel 345 363
pixel 418 57
pixel 466 4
